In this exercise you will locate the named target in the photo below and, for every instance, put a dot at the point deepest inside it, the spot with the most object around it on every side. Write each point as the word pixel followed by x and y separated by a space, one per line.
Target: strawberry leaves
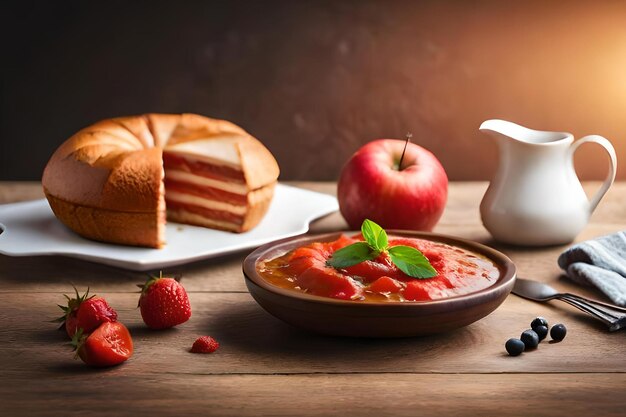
pixel 72 305
pixel 409 260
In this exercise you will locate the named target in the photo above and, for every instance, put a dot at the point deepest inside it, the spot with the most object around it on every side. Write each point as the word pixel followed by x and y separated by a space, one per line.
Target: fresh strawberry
pixel 205 344
pixel 86 312
pixel 164 303
pixel 110 344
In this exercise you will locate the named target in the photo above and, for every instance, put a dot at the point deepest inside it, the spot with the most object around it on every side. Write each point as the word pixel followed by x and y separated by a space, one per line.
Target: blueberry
pixel 542 332
pixel 530 339
pixel 539 321
pixel 558 332
pixel 514 346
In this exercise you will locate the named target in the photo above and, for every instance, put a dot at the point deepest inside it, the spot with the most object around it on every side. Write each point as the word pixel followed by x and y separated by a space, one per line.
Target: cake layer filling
pixel 205 192
pixel 186 217
pixel 205 212
pixel 172 196
pixel 210 192
pixel 202 168
pixel 200 181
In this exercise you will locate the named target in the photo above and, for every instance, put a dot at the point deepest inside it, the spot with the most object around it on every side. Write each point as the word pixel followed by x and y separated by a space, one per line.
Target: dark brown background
pixel 316 79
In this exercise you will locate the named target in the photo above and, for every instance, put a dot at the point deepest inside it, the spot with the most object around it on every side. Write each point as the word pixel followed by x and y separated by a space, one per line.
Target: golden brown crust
pixel 105 175
pixel 193 127
pixel 137 229
pixel 134 182
pixel 258 204
pixel 258 164
pixel 139 127
pixel 116 165
pixel 113 128
pixel 162 126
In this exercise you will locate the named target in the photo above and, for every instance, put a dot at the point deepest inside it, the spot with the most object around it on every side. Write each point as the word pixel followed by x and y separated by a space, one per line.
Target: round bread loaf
pixel 106 181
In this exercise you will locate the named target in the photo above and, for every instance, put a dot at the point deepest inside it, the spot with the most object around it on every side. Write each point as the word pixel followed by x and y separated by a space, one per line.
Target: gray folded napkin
pixel 600 262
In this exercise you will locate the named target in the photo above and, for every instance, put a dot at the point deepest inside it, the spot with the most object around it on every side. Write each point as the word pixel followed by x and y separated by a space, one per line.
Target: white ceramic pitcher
pixel 535 197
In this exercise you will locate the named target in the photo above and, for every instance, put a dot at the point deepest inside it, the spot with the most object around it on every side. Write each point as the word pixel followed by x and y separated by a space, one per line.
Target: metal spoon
pixel 613 316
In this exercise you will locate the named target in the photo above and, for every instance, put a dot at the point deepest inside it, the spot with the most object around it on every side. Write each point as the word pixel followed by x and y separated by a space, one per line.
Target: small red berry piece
pixel 164 303
pixel 205 344
pixel 85 312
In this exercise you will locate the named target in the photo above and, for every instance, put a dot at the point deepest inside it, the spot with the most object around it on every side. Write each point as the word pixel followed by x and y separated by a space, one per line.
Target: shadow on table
pixel 252 330
pixel 61 270
pixel 59 273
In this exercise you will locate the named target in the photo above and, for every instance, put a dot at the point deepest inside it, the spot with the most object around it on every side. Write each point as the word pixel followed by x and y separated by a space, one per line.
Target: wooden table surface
pixel 266 367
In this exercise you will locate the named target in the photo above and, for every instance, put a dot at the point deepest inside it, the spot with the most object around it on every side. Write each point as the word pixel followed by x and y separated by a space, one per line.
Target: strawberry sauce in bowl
pixel 459 272
pixel 293 281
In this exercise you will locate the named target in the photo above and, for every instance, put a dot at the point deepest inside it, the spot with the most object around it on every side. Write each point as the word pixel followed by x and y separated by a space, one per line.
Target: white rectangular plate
pixel 30 229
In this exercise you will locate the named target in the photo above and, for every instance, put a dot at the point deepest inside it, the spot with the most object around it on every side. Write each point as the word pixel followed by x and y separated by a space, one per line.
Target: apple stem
pixel 409 135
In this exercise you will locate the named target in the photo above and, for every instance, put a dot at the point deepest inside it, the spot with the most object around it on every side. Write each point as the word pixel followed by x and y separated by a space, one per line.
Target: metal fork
pixel 613 316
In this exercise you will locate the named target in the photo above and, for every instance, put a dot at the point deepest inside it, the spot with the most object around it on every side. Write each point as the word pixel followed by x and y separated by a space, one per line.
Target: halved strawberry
pixel 164 303
pixel 85 312
pixel 110 344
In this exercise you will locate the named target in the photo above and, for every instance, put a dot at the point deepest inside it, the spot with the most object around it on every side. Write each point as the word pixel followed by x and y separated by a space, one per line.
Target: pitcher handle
pixel 608 147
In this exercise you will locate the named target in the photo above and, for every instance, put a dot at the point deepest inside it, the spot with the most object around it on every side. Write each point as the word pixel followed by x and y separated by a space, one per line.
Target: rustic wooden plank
pixel 111 392
pixel 255 342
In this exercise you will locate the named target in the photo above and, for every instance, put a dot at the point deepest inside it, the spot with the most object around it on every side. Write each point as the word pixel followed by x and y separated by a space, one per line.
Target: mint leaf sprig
pixel 409 260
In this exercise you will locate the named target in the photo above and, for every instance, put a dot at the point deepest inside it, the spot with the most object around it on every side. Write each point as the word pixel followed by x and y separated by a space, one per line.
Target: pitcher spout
pixel 509 130
pixel 498 126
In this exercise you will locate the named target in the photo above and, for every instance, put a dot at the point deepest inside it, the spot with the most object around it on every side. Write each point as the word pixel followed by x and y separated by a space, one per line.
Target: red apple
pixel 373 186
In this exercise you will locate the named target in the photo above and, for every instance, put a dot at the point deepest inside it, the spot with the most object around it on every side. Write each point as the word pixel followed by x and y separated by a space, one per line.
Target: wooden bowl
pixel 376 319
